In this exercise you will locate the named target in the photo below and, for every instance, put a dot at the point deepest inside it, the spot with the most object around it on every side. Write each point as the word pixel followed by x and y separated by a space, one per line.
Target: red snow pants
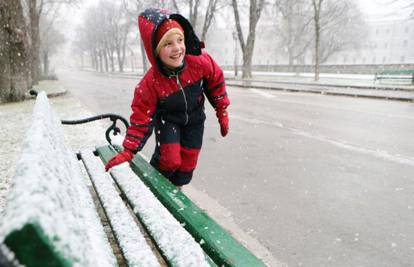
pixel 176 150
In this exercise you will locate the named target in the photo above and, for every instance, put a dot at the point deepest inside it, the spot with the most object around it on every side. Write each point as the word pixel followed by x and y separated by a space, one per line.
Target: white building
pixel 387 42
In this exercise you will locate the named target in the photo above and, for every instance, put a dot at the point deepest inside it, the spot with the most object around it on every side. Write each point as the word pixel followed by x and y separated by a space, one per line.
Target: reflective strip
pixel 134 137
pixel 219 97
pixel 139 125
pixel 216 86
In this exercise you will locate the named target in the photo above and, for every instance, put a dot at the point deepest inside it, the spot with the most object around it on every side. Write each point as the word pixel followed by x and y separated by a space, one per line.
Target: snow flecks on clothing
pixel 48 188
pixel 176 243
pixel 133 244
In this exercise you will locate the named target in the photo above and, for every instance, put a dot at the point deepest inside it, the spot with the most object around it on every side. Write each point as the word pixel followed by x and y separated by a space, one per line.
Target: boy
pixel 170 97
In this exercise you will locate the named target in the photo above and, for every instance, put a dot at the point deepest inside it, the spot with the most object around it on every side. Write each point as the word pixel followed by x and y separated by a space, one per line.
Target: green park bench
pixel 405 75
pixel 51 217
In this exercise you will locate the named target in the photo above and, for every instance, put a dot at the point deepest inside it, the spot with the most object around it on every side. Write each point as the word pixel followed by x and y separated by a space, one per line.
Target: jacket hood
pixel 148 23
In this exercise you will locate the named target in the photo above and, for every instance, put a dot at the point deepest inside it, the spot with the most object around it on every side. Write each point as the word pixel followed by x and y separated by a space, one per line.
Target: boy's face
pixel 173 51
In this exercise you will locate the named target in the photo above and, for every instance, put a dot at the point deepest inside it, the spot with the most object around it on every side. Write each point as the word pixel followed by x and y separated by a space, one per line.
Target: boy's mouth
pixel 176 56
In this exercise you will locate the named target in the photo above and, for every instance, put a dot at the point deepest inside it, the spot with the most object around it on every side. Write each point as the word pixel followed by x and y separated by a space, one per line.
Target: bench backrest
pixel 50 219
pixel 396 72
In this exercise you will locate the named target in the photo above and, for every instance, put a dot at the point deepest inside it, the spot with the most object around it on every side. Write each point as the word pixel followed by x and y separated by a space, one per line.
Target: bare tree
pixel 408 5
pixel 13 52
pixel 37 9
pixel 342 27
pixel 208 18
pixel 133 10
pixel 294 28
pixel 50 39
pixel 193 8
pixel 317 6
pixel 256 7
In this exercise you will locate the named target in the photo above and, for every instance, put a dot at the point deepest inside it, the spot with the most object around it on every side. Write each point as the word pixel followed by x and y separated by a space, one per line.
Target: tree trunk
pixel 100 59
pixel 13 55
pixel 46 64
pixel 317 11
pixel 106 60
pixel 35 38
pixel 256 7
pixel 111 59
pixel 211 9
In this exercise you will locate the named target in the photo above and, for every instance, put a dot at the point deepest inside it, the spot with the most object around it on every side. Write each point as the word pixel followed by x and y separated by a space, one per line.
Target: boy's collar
pixel 173 72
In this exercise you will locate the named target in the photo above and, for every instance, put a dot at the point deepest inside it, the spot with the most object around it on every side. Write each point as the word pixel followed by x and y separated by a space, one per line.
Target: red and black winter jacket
pixel 176 96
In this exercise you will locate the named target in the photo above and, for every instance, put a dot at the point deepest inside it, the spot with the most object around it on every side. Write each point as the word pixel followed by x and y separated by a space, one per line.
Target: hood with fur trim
pixel 150 20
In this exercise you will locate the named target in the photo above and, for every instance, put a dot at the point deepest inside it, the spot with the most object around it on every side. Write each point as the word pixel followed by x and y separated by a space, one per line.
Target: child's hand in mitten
pixel 223 119
pixel 119 158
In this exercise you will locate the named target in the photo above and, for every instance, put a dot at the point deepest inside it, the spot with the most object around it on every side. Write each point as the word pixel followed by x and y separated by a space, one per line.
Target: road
pixel 318 180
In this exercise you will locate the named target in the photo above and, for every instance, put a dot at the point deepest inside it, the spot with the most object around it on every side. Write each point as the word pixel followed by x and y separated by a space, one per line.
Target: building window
pixel 353 60
pixel 377 31
pixel 363 60
pixel 375 45
pixel 344 59
pixel 373 60
pixel 402 59
pixel 406 29
pixel 387 31
pixel 405 43
pixel 384 59
pixel 385 45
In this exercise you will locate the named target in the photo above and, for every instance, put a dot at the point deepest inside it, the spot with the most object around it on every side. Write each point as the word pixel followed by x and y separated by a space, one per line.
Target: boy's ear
pixel 202 45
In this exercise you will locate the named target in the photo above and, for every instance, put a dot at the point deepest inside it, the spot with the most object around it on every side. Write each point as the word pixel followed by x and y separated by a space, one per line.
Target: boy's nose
pixel 176 46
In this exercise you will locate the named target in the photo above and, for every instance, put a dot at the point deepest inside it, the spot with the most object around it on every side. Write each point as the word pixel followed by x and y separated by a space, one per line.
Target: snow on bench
pixel 50 218
pixel 216 242
pixel 132 243
pixel 176 244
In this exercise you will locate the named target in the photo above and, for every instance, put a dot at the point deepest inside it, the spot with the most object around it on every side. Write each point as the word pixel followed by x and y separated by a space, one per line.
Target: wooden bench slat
pixel 215 241
pixel 176 244
pixel 50 216
pixel 133 244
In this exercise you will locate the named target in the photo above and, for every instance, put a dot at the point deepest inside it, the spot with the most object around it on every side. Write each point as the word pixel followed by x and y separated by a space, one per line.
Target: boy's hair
pixel 166 29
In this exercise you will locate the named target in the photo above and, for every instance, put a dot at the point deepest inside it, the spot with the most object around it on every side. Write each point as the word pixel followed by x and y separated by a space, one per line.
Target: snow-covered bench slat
pixel 217 243
pixel 176 244
pixel 50 218
pixel 134 247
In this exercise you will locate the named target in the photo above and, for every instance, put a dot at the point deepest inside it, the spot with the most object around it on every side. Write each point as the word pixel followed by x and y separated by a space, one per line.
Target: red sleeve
pixel 143 108
pixel 215 89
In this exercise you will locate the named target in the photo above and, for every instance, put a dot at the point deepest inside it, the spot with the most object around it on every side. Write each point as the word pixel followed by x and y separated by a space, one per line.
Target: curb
pixel 368 87
pixel 322 92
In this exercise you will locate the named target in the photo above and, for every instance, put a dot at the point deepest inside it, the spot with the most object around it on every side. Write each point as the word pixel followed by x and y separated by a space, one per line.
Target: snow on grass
pixel 48 189
pixel 134 246
pixel 177 245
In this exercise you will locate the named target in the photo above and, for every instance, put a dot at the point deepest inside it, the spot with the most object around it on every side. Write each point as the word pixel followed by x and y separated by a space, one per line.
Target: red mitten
pixel 119 158
pixel 223 119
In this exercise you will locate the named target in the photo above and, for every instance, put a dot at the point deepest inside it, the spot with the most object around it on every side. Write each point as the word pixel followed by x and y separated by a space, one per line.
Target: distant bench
pixel 395 75
pixel 51 218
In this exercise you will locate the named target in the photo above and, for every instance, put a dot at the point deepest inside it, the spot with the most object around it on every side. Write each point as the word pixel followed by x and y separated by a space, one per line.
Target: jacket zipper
pixel 185 100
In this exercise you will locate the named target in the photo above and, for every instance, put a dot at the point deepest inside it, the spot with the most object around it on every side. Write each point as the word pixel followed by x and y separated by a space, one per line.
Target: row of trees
pixel 27 37
pixel 108 46
pixel 324 26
